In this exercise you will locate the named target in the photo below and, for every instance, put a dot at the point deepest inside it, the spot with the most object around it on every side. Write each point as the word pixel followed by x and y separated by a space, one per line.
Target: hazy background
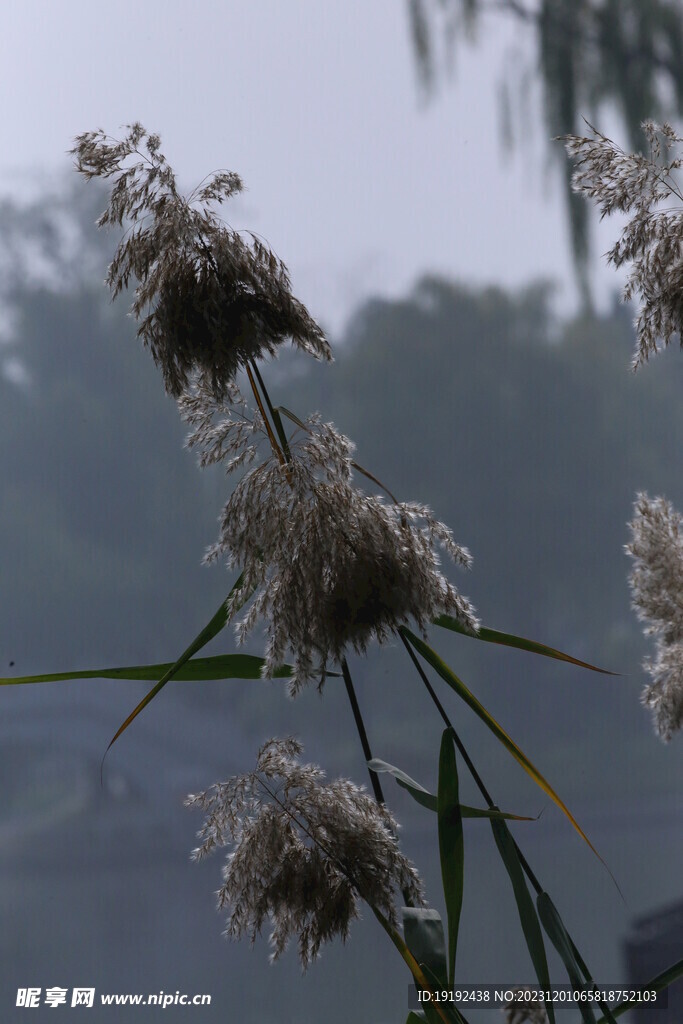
pixel 511 414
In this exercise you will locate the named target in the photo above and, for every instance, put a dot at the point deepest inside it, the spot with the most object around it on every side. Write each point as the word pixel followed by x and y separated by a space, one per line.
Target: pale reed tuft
pixel 657 590
pixel 207 300
pixel 651 242
pixel 329 567
pixel 332 567
pixel 304 852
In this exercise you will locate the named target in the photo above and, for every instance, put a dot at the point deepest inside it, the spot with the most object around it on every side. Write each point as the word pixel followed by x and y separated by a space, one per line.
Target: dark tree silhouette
pixel 626 54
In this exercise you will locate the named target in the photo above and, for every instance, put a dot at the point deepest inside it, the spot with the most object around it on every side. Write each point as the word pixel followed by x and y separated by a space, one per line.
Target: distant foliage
pixel 627 54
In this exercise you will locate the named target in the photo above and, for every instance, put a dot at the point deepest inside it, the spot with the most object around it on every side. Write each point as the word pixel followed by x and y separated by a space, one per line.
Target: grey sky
pixel 355 183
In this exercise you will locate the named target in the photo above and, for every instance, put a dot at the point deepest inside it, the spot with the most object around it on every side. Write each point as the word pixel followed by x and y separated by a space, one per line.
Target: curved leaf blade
pixel 556 932
pixel 585 974
pixel 579 975
pixel 418 792
pixel 237 597
pixel 494 814
pixel 451 844
pixel 222 666
pixel 449 676
pixel 525 907
pixel 494 636
pixel 428 800
pixel 232 603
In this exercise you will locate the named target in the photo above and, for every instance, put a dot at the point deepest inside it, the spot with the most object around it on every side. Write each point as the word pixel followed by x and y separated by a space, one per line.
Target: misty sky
pixel 355 182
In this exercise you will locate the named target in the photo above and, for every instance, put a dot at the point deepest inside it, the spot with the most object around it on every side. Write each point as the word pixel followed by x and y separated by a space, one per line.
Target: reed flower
pixel 304 852
pixel 207 300
pixel 651 242
pixel 331 566
pixel 656 581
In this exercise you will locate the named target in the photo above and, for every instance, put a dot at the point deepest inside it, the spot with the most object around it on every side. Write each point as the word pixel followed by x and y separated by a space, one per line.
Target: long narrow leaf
pixel 232 603
pixel 577 959
pixel 293 417
pixel 589 981
pixel 452 1010
pixel 418 792
pixel 451 844
pixel 491 814
pixel 493 636
pixel 656 984
pixel 449 676
pixel 222 666
pixel 277 419
pixel 429 800
pixel 557 933
pixel 525 907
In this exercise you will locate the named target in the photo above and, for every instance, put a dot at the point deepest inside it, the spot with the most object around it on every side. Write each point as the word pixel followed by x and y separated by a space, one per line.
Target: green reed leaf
pixel 222 666
pixel 449 676
pixel 232 603
pixel 525 907
pixel 493 636
pixel 557 933
pixel 451 844
pixel 428 800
